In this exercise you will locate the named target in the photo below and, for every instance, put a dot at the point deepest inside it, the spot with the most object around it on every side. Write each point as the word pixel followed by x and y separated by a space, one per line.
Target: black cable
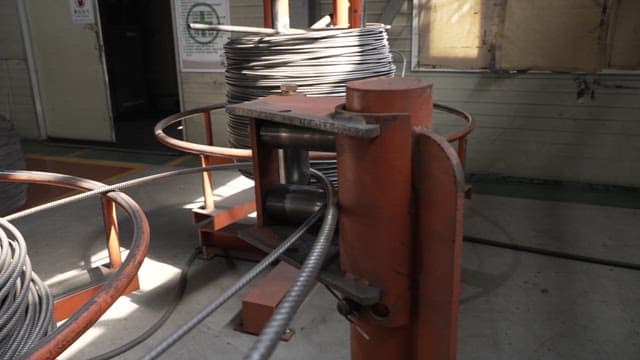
pixel 179 294
pixel 269 337
pixel 553 253
pixel 237 286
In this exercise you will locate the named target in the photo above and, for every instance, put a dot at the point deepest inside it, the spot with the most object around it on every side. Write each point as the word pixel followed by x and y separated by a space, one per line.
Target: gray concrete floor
pixel 514 305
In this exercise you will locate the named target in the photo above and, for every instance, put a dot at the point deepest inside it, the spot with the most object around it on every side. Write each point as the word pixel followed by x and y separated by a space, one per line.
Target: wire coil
pixel 320 63
pixel 26 305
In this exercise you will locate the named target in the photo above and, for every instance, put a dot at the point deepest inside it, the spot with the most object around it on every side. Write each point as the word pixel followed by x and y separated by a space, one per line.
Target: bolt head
pixel 288 88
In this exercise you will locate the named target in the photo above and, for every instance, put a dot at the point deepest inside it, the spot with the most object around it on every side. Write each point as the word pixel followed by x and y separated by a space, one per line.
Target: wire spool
pixel 320 63
pixel 26 305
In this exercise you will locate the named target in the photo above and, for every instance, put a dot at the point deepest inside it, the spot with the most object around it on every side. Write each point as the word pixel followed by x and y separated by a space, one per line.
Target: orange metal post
pixel 110 219
pixel 341 13
pixel 355 13
pixel 375 178
pixel 268 17
pixel 207 183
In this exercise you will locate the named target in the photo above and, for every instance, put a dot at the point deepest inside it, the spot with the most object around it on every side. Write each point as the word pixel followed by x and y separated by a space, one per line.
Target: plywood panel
pixel 457 33
pixel 566 35
pixel 625 36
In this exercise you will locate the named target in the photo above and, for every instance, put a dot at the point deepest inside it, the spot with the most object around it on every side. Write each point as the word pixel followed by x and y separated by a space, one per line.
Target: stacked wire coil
pixel 319 62
pixel 26 305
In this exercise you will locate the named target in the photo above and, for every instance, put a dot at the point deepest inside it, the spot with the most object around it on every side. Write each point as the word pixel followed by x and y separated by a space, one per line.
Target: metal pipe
pixel 322 23
pixel 308 139
pixel 244 29
pixel 267 13
pixel 280 13
pixel 293 203
pixel 341 13
pixel 296 166
pixel 356 13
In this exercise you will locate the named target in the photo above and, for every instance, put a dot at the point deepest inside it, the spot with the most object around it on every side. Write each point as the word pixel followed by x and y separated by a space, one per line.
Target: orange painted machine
pixel 396 258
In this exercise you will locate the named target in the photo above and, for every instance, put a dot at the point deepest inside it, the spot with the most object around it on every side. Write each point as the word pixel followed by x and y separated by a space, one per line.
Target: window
pixel 567 35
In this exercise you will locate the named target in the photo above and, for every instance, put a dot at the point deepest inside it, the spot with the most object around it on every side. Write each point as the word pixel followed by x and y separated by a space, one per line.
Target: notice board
pixel 201 50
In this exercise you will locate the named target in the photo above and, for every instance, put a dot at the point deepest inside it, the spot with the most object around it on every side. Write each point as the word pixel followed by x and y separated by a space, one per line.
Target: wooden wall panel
pixel 566 35
pixel 625 36
pixel 457 33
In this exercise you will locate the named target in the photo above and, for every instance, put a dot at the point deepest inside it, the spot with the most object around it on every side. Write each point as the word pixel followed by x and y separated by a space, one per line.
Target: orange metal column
pixel 376 238
pixel 355 14
pixel 268 14
pixel 341 13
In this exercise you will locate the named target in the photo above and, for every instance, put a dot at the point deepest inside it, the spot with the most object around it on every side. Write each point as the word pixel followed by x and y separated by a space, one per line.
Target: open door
pixel 69 62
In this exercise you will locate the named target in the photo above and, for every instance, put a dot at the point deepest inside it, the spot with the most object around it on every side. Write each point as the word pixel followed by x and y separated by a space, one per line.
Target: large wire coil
pixel 26 305
pixel 320 63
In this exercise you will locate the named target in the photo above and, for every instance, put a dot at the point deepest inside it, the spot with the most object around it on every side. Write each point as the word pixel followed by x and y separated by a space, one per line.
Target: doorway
pixel 141 67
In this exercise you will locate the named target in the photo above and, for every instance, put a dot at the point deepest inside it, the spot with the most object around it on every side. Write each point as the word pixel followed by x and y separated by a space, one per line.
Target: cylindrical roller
pixel 293 203
pixel 296 166
pixel 308 139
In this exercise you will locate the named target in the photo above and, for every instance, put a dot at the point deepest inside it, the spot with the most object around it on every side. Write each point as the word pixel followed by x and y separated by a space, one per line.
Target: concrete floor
pixel 514 305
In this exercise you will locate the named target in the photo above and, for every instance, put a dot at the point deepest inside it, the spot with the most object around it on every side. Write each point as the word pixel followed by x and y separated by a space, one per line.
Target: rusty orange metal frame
pixel 413 229
pixel 123 278
pixel 210 154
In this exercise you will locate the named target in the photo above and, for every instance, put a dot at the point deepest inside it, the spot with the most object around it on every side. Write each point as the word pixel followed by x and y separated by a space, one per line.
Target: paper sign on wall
pixel 82 11
pixel 201 50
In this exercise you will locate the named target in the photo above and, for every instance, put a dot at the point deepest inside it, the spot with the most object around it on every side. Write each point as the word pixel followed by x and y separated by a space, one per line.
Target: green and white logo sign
pixel 202 13
pixel 201 50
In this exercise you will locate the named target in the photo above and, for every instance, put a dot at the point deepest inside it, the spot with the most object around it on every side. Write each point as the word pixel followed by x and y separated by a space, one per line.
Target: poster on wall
pixel 81 11
pixel 201 50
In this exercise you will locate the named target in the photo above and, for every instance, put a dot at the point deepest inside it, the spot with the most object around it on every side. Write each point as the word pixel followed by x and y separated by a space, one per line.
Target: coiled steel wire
pixel 320 63
pixel 26 305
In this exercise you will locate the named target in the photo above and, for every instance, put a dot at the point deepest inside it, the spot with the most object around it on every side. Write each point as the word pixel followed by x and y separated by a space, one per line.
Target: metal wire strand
pixel 242 282
pixel 117 187
pixel 270 335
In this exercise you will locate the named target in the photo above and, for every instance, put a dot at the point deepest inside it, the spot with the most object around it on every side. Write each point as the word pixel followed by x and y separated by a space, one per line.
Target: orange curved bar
pixel 67 333
pixel 200 149
pixel 471 124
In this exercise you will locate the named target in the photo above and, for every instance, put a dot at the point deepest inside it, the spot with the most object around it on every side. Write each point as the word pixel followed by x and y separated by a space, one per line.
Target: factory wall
pixel 567 127
pixel 16 98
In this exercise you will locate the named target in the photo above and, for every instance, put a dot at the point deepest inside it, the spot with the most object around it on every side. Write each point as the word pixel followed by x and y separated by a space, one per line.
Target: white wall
pixel 16 98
